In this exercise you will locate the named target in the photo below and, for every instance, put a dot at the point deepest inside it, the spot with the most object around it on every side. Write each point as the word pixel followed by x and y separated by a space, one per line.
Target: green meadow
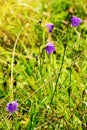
pixel 51 89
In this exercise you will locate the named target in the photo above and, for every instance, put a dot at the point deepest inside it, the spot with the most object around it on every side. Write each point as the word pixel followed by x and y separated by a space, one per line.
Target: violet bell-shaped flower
pixel 75 21
pixel 50 48
pixel 50 27
pixel 12 106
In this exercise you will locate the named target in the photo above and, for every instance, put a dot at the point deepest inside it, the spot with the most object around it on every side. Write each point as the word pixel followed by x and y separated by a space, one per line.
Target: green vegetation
pixel 51 89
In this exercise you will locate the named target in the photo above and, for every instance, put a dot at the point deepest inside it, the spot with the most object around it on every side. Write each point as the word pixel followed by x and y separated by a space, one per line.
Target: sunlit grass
pixel 50 89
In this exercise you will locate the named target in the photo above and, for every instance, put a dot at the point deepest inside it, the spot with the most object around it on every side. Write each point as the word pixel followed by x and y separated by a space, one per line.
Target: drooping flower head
pixel 50 27
pixel 12 106
pixel 75 21
pixel 50 48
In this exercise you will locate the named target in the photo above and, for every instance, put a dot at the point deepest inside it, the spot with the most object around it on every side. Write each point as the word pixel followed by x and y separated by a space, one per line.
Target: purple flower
pixel 12 106
pixel 50 26
pixel 50 48
pixel 75 21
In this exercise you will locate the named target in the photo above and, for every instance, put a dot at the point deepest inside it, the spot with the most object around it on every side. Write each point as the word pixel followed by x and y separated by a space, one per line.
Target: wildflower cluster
pixel 75 21
pixel 50 48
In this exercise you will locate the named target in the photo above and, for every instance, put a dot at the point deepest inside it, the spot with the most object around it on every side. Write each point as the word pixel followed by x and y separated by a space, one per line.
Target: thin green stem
pixel 12 64
pixel 58 74
pixel 69 89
